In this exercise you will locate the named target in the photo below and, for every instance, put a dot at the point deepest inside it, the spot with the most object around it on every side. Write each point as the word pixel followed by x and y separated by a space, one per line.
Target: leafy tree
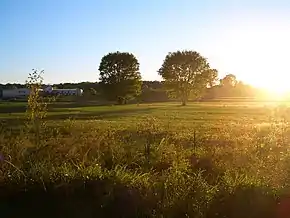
pixel 186 74
pixel 229 80
pixel 211 75
pixel 120 78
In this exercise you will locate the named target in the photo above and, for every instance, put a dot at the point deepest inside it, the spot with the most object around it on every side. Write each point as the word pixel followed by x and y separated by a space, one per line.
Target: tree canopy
pixel 229 80
pixel 120 78
pixel 187 74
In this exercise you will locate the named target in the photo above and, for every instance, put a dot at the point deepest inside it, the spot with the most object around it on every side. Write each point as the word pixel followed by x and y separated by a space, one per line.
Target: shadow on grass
pixel 11 123
pixel 8 107
pixel 77 199
pixel 76 104
pixel 79 115
pixel 244 202
pixel 13 109
pixel 108 114
pixel 108 198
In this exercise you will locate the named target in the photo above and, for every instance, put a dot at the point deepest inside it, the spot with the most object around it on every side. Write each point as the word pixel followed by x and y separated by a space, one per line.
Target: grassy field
pixel 219 159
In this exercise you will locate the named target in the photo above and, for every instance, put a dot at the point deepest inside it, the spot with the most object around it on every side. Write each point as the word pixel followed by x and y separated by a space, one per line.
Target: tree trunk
pixel 121 100
pixel 184 99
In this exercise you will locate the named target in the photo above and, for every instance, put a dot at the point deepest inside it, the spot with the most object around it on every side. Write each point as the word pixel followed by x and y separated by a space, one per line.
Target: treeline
pixel 187 76
pixel 154 91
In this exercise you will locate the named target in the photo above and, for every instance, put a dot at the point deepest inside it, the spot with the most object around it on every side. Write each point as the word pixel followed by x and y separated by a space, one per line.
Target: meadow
pixel 206 159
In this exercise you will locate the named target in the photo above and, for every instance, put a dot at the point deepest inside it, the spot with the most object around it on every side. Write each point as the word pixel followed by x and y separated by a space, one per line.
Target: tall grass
pixel 105 169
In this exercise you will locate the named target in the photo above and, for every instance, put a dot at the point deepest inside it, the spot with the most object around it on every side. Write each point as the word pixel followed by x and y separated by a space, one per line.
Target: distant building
pixel 25 92
pixel 71 92
pixel 15 93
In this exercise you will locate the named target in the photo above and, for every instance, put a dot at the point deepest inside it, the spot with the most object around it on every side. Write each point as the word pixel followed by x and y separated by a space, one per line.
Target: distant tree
pixel 187 74
pixel 120 78
pixel 229 80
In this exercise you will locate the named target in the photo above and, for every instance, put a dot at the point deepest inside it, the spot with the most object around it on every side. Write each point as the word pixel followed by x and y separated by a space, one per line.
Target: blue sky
pixel 68 38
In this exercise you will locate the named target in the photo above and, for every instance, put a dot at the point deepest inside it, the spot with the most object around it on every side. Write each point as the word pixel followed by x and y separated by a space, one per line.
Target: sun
pixel 278 90
pixel 277 85
pixel 257 52
pixel 275 91
pixel 274 88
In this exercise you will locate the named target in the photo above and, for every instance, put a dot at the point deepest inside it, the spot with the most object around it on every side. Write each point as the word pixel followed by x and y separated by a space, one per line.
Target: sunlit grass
pixel 151 160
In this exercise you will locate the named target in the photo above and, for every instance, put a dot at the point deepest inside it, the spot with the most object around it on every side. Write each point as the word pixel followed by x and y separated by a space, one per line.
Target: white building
pixel 24 92
pixel 75 92
pixel 15 93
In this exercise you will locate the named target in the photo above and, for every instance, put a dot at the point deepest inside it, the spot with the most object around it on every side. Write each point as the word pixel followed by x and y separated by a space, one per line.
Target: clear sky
pixel 67 38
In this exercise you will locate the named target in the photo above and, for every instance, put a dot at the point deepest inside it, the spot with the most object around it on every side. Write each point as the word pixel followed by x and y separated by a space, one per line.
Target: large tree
pixel 120 78
pixel 187 74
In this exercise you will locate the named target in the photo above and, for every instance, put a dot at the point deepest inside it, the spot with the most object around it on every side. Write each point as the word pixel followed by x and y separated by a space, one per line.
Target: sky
pixel 248 38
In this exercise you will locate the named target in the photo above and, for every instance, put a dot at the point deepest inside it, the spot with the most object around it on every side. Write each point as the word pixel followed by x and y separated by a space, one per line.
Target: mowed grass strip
pixel 195 112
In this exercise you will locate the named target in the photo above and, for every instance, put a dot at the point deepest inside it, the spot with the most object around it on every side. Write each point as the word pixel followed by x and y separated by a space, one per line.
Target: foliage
pixel 211 75
pixel 101 166
pixel 154 91
pixel 228 81
pixel 37 104
pixel 120 77
pixel 186 74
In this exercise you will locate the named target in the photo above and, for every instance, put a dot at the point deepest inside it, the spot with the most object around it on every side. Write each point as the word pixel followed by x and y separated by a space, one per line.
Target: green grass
pixel 194 110
pixel 218 159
